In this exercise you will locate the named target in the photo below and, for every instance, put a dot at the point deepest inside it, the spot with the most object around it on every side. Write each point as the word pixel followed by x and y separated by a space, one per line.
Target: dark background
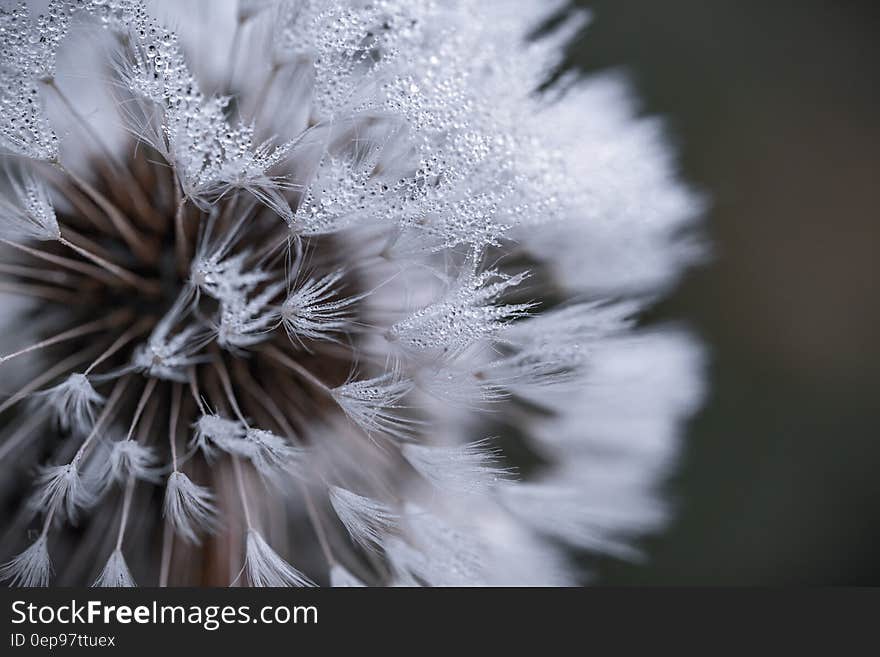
pixel 774 109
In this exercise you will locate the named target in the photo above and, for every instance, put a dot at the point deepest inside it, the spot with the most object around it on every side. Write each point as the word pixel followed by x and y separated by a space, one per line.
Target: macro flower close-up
pixel 331 292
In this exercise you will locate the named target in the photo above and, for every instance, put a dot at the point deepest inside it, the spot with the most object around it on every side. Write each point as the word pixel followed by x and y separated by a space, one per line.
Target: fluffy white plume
pixel 269 453
pixel 265 568
pixel 210 156
pixel 24 125
pixel 465 383
pixel 469 468
pixel 189 507
pixel 562 513
pixel 617 159
pixel 615 444
pixel 31 568
pixel 224 276
pixel 165 357
pixel 312 311
pixel 342 193
pixel 245 322
pixel 60 488
pixel 115 573
pixel 552 348
pixel 214 431
pixel 73 402
pixel 439 555
pixel 341 64
pixel 168 351
pixel 466 314
pixel 371 404
pixel 128 458
pixel 366 520
pixel 29 213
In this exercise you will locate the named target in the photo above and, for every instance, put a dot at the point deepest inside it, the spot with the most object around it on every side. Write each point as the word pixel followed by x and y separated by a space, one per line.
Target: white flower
pixel 340 245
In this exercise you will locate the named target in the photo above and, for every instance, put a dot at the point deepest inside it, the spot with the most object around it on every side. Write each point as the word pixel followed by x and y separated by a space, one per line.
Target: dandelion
pixel 272 321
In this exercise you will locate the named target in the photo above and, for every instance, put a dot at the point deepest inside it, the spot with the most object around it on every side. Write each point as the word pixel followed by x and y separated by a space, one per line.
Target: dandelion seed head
pixel 337 246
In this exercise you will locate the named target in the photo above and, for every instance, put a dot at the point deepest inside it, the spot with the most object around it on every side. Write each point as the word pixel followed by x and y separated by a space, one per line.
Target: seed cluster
pixel 272 328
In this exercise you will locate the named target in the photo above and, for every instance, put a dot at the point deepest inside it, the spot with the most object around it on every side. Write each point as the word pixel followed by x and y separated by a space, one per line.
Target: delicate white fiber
pixel 60 488
pixel 31 568
pixel 465 314
pixel 265 568
pixel 312 312
pixel 366 520
pixel 189 507
pixel 29 213
pixel 466 468
pixel 73 402
pixel 115 573
pixel 372 404
pixel 213 431
pixel 128 458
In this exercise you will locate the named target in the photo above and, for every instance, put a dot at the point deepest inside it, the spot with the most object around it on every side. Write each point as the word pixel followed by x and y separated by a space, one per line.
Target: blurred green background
pixel 774 109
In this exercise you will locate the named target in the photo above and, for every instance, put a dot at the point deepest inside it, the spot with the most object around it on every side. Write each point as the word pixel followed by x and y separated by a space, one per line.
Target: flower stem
pixel 120 342
pixel 59 368
pixel 84 329
pixel 147 287
pixel 173 415
pixel 167 548
pixel 42 291
pixel 109 408
pixel 220 366
pixel 145 397
pixel 275 353
pixel 67 263
pixel 239 479
pixel 134 190
pixel 135 241
pixel 126 507
pixel 181 244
